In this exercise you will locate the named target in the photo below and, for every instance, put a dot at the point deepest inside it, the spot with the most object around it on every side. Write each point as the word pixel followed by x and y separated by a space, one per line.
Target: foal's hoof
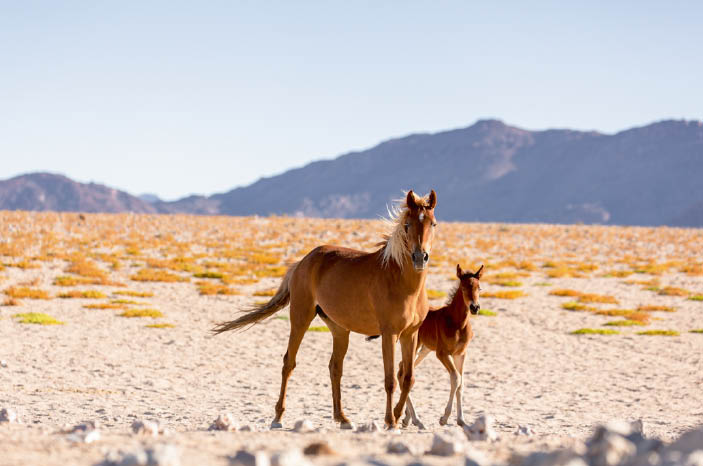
pixel 406 423
pixel 443 421
pixel 460 422
pixel 420 425
pixel 346 425
pixel 276 425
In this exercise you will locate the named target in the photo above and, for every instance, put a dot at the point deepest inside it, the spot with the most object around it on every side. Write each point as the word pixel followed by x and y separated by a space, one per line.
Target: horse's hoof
pixel 460 422
pixel 420 425
pixel 442 421
pixel 406 423
pixel 346 425
pixel 276 425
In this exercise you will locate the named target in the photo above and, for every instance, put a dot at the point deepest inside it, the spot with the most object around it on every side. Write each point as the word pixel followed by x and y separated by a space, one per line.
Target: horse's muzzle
pixel 420 259
pixel 474 308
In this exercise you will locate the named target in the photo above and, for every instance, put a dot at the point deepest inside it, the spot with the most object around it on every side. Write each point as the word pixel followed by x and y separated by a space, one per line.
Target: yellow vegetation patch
pixel 271 272
pixel 37 318
pixel 164 325
pixel 667 333
pixel 265 293
pixel 11 302
pixel 574 306
pixel 629 313
pixel 436 294
pixel 23 292
pixel 88 294
pixel 153 313
pixel 135 294
pixel 155 275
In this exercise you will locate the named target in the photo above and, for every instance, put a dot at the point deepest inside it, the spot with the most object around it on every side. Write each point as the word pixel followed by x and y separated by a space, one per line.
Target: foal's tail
pixel 259 313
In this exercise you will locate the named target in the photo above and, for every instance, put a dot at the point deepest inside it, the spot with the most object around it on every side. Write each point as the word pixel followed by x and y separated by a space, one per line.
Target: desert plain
pixel 107 318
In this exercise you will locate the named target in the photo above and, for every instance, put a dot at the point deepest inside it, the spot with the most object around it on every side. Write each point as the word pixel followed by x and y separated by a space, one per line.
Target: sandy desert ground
pixel 525 365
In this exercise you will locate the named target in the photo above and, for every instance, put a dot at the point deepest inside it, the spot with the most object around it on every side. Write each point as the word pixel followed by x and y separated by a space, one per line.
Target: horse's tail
pixel 259 313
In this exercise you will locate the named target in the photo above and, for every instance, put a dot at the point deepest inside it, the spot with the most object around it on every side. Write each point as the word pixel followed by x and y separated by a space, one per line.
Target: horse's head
pixel 470 287
pixel 419 227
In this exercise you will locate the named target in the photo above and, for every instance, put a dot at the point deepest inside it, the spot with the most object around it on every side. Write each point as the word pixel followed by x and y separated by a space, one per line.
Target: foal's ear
pixel 459 272
pixel 410 201
pixel 479 272
pixel 432 200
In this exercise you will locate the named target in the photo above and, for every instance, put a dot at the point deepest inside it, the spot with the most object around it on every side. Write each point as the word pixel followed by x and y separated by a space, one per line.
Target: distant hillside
pixel 488 172
pixel 46 191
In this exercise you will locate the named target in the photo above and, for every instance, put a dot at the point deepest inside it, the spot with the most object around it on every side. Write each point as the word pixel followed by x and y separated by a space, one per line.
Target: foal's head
pixel 419 227
pixel 469 287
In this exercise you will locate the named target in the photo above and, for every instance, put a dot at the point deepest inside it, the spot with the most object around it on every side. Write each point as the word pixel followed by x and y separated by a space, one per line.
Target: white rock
pixel 303 426
pixel 555 458
pixel 144 427
pixel 481 429
pixel 246 458
pixel 9 415
pixel 291 457
pixel 524 430
pixel 226 422
pixel 609 448
pixel 399 448
pixel 3 363
pixel 473 457
pixel 446 445
pixel 86 432
pixel 372 426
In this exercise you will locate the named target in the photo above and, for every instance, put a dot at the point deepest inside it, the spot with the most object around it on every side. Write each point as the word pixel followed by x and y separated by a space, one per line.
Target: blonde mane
pixel 395 244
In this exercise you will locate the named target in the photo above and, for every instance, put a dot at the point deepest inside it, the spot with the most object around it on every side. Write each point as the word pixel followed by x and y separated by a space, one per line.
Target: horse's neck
pixel 457 310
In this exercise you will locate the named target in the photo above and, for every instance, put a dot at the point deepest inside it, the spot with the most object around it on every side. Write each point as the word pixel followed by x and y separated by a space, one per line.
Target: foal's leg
pixel 448 363
pixel 340 343
pixel 409 407
pixel 302 312
pixel 408 347
pixel 459 363
pixel 388 343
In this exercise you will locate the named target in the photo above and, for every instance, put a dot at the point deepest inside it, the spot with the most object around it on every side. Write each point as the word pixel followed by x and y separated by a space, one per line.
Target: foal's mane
pixel 394 245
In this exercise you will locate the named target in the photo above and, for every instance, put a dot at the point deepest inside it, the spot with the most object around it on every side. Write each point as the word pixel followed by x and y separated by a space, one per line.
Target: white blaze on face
pixel 422 218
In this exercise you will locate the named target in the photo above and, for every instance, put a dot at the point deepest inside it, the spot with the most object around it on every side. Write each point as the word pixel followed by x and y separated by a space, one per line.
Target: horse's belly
pixel 353 317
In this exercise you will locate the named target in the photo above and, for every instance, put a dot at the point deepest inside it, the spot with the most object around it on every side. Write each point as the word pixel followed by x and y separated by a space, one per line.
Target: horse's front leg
pixel 408 347
pixel 388 343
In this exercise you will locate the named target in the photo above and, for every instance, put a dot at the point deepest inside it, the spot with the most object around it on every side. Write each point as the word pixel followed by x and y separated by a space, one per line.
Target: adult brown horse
pixel 381 292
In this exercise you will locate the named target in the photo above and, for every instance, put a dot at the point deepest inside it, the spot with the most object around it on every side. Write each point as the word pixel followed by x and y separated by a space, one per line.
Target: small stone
pixel 524 430
pixel 3 363
pixel 224 422
pixel 319 448
pixel 247 428
pixel 8 415
pixel 481 430
pixel 246 458
pixel 146 428
pixel 445 445
pixel 555 458
pixel 164 455
pixel 303 426
pixel 473 457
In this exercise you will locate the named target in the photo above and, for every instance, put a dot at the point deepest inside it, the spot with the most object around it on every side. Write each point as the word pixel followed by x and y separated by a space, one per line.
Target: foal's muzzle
pixel 474 308
pixel 420 259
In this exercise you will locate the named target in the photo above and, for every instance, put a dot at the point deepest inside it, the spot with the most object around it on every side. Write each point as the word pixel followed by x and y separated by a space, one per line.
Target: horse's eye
pixel 434 224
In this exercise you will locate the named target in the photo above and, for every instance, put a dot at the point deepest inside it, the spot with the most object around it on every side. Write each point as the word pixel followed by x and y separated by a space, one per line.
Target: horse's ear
pixel 433 200
pixel 479 272
pixel 459 272
pixel 410 201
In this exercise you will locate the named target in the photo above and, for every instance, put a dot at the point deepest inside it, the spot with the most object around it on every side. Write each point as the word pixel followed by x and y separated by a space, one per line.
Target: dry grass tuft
pixel 156 275
pixel 321 328
pixel 23 292
pixel 624 323
pixel 209 288
pixel 597 298
pixel 103 306
pixel 668 333
pixel 565 292
pixel 265 293
pixel 673 291
pixel 135 294
pixel 595 331
pixel 87 294
pixel 574 306
pixel 696 297
pixel 164 325
pixel 509 294
pixel 655 307
pixel 11 302
pixel 153 313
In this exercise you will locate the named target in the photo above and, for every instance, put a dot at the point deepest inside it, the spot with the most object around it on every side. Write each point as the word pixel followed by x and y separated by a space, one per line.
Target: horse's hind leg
pixel 340 343
pixel 302 311
pixel 448 364
pixel 459 363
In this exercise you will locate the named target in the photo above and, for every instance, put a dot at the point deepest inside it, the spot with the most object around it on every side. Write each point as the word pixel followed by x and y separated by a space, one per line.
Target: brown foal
pixel 447 332
pixel 381 292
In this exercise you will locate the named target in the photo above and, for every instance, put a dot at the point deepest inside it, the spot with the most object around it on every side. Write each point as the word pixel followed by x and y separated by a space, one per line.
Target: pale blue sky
pixel 178 97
